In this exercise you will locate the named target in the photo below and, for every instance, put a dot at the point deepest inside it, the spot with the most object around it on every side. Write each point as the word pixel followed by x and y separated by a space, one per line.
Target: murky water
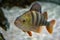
pixel 15 33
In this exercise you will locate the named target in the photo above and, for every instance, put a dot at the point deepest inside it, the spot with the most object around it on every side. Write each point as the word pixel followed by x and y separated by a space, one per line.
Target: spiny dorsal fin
pixel 36 6
pixel 45 15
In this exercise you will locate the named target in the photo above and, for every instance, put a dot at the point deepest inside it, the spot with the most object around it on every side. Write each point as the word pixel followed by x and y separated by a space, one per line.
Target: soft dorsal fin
pixel 45 15
pixel 36 6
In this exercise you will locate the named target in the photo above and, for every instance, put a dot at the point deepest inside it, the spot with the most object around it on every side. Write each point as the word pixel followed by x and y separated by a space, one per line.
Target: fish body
pixel 30 20
pixel 33 20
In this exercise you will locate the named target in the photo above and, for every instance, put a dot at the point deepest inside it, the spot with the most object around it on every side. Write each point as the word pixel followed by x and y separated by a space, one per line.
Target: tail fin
pixel 50 27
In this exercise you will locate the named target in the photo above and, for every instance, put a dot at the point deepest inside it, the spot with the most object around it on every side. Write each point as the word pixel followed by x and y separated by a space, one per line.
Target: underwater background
pixel 15 33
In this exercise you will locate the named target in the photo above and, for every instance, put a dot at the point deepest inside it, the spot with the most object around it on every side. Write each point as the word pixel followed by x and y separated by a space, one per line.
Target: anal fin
pixel 30 33
pixel 39 29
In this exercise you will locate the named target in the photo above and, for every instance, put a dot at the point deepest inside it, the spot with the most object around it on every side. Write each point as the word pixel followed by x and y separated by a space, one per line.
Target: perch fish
pixel 33 20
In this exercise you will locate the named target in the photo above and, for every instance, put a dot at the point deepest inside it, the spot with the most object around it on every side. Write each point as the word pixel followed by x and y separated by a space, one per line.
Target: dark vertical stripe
pixel 32 17
pixel 41 20
pixel 37 18
pixel 40 10
pixel 46 23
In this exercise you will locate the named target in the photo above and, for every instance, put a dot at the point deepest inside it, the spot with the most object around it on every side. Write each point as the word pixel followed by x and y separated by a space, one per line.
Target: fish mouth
pixel 17 23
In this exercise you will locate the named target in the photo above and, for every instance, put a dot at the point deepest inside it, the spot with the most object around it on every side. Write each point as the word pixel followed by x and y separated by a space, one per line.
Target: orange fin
pixel 30 33
pixel 50 27
pixel 39 29
pixel 45 15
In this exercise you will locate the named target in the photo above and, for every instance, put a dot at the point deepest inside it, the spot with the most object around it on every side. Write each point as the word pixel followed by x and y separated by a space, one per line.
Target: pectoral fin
pixel 30 33
pixel 50 27
pixel 45 15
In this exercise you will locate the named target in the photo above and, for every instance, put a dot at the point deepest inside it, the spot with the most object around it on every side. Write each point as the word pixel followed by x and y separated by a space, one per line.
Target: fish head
pixel 24 20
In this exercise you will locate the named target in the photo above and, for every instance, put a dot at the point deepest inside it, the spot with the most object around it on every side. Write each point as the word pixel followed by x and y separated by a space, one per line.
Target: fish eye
pixel 23 20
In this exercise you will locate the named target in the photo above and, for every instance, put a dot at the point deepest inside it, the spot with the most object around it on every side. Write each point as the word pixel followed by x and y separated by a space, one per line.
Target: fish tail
pixel 50 26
